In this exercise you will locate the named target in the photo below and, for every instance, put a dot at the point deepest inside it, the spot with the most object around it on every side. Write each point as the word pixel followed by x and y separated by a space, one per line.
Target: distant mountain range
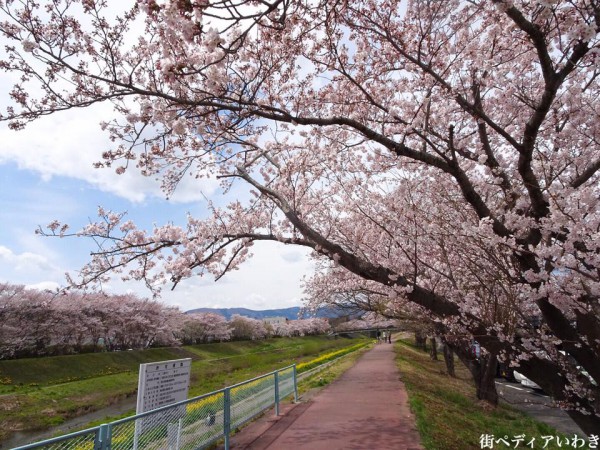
pixel 288 313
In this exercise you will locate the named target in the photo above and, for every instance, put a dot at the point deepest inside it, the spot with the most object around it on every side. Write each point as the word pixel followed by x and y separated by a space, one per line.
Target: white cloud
pixel 292 256
pixel 33 270
pixel 70 142
pixel 44 286
pixel 5 253
pixel 268 280
pixel 24 261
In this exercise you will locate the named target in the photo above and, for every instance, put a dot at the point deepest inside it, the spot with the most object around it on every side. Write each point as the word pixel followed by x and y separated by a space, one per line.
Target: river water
pixel 19 438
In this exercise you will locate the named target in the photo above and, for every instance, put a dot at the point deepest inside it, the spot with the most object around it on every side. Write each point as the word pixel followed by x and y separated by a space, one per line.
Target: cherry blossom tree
pixel 138 323
pixel 27 323
pixel 205 327
pixel 333 113
pixel 474 274
pixel 247 328
pixel 301 327
pixel 38 323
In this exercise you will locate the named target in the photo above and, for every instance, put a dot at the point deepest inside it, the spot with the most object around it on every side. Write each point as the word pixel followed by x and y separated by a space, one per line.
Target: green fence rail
pixel 191 424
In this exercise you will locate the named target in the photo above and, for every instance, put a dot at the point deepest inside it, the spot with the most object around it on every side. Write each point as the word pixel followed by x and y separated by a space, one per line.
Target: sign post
pixel 160 384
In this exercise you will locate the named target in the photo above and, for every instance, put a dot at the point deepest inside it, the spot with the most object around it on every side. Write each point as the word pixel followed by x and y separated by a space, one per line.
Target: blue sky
pixel 46 173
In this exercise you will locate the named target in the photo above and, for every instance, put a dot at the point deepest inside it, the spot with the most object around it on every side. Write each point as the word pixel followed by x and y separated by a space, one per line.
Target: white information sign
pixel 163 383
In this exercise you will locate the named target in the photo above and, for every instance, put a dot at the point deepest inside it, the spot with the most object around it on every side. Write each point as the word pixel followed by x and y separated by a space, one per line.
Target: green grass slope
pixel 448 414
pixel 60 369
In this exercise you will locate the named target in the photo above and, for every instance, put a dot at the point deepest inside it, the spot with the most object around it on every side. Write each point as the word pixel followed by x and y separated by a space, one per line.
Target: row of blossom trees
pixel 35 323
pixel 207 327
pixel 40 322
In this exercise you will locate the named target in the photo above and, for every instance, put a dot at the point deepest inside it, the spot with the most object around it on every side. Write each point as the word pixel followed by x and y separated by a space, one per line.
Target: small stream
pixel 19 438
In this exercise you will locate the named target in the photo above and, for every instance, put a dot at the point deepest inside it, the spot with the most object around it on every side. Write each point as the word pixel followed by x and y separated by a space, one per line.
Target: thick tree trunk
pixel 449 360
pixel 486 387
pixel 421 340
pixel 433 350
pixel 483 370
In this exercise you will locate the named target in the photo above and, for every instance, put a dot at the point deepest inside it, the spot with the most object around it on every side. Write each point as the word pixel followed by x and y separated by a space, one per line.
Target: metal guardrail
pixel 195 423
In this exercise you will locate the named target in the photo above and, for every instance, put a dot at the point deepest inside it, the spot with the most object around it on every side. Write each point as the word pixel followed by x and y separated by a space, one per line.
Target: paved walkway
pixel 366 408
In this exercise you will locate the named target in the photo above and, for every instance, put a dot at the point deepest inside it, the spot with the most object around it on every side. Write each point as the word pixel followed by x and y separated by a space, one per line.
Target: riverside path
pixel 366 408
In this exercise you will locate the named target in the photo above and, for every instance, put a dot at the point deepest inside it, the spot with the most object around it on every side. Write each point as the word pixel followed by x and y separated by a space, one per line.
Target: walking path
pixel 366 408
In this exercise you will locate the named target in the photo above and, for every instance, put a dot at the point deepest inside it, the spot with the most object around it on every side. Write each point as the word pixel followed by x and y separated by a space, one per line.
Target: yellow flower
pixel 328 357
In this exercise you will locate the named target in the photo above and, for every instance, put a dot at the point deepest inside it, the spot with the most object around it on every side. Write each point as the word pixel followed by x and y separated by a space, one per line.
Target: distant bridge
pixel 372 332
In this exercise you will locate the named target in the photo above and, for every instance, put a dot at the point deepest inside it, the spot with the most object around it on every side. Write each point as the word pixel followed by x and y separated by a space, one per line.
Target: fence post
pixel 295 376
pixel 102 441
pixel 108 436
pixel 179 433
pixel 227 415
pixel 276 374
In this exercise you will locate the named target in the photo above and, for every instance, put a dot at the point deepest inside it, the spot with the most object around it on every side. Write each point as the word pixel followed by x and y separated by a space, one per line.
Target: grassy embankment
pixel 40 393
pixel 322 378
pixel 448 414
